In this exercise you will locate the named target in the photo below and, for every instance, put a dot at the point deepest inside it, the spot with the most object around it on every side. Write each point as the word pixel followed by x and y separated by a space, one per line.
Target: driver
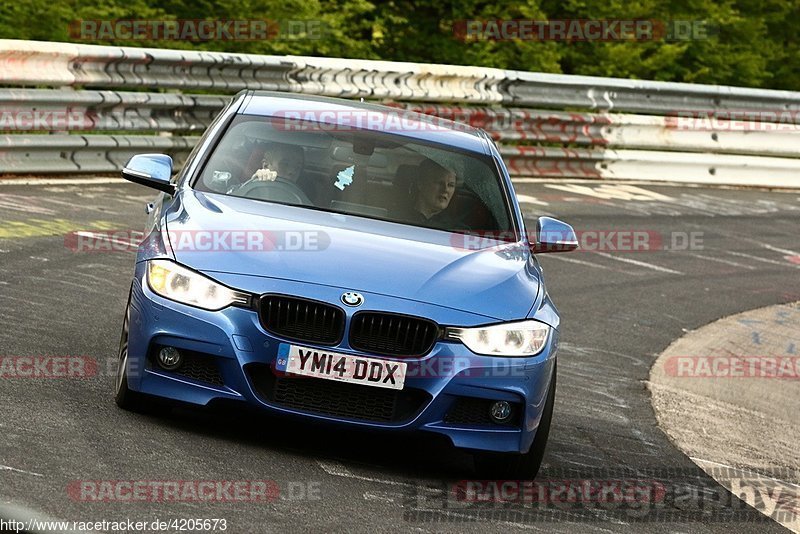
pixel 431 191
pixel 281 161
pixel 280 164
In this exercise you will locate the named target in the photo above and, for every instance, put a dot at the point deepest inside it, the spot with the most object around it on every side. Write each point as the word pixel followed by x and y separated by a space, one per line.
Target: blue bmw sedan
pixel 348 264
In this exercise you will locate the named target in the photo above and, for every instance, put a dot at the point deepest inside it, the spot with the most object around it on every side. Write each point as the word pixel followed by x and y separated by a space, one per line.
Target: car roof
pixel 366 115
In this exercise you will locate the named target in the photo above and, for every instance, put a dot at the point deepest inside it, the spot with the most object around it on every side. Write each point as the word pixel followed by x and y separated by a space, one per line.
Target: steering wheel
pixel 277 191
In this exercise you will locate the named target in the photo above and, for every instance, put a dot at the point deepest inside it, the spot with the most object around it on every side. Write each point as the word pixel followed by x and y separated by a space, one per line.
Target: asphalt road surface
pixel 710 253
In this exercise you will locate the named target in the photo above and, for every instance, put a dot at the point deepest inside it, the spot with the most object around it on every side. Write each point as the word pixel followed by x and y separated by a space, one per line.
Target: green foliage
pixel 752 43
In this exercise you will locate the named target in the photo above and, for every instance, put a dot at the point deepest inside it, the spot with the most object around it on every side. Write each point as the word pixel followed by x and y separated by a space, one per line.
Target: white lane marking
pixel 61 181
pixel 764 245
pixel 100 279
pixel 778 249
pixel 756 242
pixel 72 204
pixel 40 258
pixel 378 496
pixel 15 470
pixel 105 237
pixel 655 183
pixel 639 263
pixel 612 192
pixel 21 203
pixel 726 262
pixel 587 263
pixel 528 199
pixel 759 258
pixel 338 470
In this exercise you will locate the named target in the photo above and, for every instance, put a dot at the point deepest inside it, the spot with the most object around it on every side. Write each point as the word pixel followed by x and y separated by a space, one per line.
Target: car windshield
pixel 358 172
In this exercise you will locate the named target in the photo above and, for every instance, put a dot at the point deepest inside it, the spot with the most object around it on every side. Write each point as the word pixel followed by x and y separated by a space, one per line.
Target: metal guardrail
pixel 612 128
pixel 107 110
pixel 64 154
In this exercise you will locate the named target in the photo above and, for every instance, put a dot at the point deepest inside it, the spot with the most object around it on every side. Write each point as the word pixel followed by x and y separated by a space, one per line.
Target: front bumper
pixel 449 380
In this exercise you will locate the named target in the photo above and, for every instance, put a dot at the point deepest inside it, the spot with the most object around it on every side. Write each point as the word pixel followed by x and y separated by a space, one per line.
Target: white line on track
pixel 528 199
pixel 759 258
pixel 756 242
pixel 639 263
pixel 19 203
pixel 612 192
pixel 15 470
pixel 726 262
pixel 587 263
pixel 778 249
pixel 338 470
pixel 766 245
pixel 61 181
pixel 71 204
pixel 687 185
pixel 379 496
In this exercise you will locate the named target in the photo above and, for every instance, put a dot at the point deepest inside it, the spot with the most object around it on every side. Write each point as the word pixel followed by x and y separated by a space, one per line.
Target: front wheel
pixel 126 398
pixel 510 466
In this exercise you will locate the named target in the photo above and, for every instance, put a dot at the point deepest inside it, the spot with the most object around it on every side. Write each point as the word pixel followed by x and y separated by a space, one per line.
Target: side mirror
pixel 152 170
pixel 553 235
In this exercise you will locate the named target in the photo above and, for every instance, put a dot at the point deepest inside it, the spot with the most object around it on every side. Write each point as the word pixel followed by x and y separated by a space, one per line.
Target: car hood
pixel 217 233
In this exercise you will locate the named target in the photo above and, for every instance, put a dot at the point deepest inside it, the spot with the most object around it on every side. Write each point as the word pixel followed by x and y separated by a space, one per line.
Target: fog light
pixel 500 411
pixel 169 358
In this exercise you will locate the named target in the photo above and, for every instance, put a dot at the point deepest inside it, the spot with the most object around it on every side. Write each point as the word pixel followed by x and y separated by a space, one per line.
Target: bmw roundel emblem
pixel 351 298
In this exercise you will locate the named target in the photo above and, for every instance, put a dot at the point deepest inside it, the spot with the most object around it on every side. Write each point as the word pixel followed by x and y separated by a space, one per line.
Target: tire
pixel 126 398
pixel 510 466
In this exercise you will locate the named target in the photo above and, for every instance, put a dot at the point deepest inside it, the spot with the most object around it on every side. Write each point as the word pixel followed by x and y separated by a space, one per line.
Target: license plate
pixel 305 361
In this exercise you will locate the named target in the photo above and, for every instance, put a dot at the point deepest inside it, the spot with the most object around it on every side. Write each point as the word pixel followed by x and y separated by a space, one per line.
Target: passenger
pixel 430 193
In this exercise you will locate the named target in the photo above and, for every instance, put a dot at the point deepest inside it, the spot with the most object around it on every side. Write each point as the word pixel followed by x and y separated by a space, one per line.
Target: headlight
pixel 525 338
pixel 174 282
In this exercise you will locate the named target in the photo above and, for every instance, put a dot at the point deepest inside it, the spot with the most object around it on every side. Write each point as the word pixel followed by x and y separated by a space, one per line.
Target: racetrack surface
pixel 619 309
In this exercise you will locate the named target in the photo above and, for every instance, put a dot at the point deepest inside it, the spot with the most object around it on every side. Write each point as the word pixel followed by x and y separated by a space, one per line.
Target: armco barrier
pixel 112 103
pixel 47 110
pixel 48 154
